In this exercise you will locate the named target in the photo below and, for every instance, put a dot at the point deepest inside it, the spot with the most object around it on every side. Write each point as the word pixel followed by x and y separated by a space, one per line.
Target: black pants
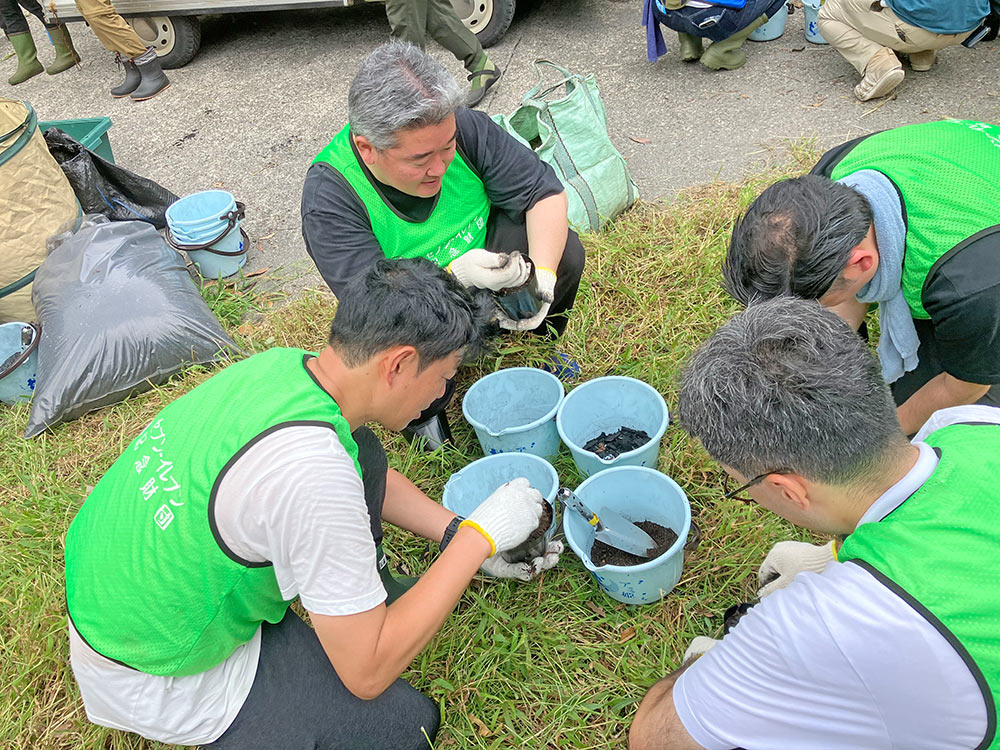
pixel 13 19
pixel 297 702
pixel 505 235
pixel 929 367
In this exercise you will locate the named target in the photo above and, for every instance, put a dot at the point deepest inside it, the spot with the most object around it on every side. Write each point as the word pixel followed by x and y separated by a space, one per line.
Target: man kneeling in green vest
pixel 262 485
pixel 416 174
pixel 896 644
pixel 908 219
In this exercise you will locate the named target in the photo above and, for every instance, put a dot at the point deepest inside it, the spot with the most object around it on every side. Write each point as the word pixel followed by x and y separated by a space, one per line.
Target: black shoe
pixel 489 76
pixel 434 432
pixel 153 78
pixel 131 82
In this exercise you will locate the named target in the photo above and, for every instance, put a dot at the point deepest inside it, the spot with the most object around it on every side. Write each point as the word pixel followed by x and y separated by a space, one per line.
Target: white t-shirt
pixel 294 499
pixel 836 661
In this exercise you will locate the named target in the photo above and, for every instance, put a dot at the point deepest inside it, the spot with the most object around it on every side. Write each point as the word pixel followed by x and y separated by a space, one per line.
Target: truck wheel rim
pixel 475 14
pixel 156 32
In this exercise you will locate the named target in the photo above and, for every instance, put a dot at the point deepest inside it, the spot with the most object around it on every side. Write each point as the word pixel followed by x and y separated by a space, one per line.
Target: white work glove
pixel 485 270
pixel 545 281
pixel 497 567
pixel 509 515
pixel 699 645
pixel 788 559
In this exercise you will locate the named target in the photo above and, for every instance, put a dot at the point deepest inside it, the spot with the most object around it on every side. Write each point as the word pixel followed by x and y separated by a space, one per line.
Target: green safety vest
pixel 948 175
pixel 456 225
pixel 149 581
pixel 938 549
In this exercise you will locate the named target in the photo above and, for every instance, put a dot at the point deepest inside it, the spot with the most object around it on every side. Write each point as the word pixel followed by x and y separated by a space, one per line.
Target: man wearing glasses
pixel 895 643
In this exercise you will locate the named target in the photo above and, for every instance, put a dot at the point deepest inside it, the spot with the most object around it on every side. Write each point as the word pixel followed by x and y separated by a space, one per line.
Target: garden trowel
pixel 612 527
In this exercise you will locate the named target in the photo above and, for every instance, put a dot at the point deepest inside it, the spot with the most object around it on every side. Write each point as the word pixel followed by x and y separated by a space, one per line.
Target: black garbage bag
pixel 105 188
pixel 119 314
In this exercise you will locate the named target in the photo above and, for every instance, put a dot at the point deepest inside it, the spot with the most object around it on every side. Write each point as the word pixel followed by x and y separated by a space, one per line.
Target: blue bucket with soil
pixel 206 226
pixel 619 408
pixel 644 496
pixel 18 361
pixel 467 488
pixel 514 410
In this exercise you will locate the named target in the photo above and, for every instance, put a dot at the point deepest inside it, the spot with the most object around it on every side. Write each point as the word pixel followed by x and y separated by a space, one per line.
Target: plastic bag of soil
pixel 119 314
pixel 105 188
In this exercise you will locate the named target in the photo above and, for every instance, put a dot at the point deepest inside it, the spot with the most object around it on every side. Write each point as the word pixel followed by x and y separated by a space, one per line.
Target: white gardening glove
pixel 699 645
pixel 787 559
pixel 545 281
pixel 485 270
pixel 508 516
pixel 497 567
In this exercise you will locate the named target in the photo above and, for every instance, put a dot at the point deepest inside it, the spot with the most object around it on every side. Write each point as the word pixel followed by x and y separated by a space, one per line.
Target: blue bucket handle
pixel 23 357
pixel 231 218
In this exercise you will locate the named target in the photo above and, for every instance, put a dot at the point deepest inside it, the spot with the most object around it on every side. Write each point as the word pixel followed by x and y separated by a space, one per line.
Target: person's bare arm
pixel 407 507
pixel 547 228
pixel 656 725
pixel 940 392
pixel 371 649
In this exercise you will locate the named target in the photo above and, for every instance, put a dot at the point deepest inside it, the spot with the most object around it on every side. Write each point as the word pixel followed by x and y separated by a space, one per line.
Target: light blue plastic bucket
pixel 639 494
pixel 606 405
pixel 207 226
pixel 18 360
pixel 514 410
pixel 467 488
pixel 810 10
pixel 774 27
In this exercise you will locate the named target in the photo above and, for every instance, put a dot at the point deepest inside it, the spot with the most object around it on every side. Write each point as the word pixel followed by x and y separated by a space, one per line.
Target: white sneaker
pixel 874 86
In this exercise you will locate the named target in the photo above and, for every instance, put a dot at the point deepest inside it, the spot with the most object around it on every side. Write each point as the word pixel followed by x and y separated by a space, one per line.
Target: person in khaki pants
pixel 413 20
pixel 144 78
pixel 868 33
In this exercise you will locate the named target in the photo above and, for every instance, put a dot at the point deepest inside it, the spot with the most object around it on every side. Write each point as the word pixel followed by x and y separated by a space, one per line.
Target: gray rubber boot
pixel 153 79
pixel 691 46
pixel 728 54
pixel 131 82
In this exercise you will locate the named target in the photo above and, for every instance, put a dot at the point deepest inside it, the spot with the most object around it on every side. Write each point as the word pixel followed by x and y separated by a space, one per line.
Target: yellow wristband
pixel 543 268
pixel 481 530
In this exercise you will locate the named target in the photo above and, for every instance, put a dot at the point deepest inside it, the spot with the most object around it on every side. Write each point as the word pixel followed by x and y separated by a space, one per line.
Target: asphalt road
pixel 268 91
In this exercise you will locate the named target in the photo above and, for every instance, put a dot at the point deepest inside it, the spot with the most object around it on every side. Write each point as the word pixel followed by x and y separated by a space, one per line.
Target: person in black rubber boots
pixel 182 562
pixel 144 78
pixel 15 26
pixel 415 173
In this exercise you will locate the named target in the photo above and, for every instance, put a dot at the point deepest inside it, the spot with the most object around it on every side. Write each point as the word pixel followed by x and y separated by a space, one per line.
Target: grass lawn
pixel 549 664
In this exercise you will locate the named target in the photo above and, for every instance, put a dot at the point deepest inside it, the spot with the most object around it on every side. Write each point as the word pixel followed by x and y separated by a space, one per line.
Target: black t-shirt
pixel 962 296
pixel 338 231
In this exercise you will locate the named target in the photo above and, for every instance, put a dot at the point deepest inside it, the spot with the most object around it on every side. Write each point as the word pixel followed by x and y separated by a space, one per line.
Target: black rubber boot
pixel 132 78
pixel 153 79
pixel 434 432
pixel 394 587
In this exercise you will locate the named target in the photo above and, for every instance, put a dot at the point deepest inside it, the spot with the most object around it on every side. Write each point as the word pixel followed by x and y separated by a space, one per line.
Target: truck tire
pixel 487 19
pixel 175 38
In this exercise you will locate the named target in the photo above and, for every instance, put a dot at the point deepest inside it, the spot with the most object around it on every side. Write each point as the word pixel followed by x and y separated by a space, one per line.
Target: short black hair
pixel 796 238
pixel 410 302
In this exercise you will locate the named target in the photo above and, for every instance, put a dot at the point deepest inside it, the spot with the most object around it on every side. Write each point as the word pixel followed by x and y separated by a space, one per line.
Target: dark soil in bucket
pixel 534 545
pixel 603 554
pixel 611 446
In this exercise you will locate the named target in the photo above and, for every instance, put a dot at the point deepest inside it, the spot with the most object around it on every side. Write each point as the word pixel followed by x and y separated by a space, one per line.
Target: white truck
pixel 173 28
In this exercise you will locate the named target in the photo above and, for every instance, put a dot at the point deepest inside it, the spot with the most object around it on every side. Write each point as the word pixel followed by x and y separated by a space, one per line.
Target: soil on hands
pixel 604 554
pixel 534 545
pixel 611 446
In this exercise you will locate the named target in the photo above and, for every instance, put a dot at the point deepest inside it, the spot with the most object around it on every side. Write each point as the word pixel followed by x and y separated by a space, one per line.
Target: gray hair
pixel 398 87
pixel 786 384
pixel 796 238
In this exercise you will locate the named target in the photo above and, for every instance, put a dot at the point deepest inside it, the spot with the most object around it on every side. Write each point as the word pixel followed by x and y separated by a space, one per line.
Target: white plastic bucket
pixel 774 27
pixel 810 9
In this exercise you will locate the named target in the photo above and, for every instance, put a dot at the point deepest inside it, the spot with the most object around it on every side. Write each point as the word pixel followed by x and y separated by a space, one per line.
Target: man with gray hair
pixel 908 219
pixel 415 174
pixel 892 645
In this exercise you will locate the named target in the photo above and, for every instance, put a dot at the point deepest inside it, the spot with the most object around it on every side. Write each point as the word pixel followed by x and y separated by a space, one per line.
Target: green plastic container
pixel 92 132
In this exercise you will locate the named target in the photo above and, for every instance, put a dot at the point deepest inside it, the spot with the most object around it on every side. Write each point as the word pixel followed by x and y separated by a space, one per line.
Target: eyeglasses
pixel 735 494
